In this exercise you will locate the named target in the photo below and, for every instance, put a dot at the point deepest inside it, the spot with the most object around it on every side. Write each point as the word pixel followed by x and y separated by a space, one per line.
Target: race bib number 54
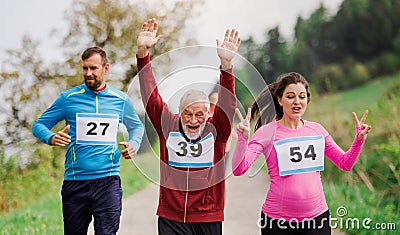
pixel 96 129
pixel 300 154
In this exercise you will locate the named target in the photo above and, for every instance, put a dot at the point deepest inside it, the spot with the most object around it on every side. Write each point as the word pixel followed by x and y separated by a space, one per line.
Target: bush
pixel 359 74
pixel 388 63
pixel 328 78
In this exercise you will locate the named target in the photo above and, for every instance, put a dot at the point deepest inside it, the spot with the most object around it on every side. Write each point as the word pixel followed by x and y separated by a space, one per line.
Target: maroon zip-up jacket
pixel 190 195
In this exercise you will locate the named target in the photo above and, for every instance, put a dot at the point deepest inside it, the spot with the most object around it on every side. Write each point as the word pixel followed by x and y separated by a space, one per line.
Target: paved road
pixel 244 197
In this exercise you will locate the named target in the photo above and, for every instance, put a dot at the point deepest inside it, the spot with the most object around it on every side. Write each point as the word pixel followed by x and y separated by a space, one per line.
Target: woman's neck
pixel 291 123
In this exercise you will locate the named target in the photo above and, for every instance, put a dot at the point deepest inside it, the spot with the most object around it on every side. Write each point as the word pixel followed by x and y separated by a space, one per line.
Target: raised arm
pixel 225 109
pixel 151 98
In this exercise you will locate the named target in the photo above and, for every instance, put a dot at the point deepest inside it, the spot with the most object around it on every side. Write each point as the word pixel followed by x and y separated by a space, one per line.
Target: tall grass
pixel 371 189
pixel 31 199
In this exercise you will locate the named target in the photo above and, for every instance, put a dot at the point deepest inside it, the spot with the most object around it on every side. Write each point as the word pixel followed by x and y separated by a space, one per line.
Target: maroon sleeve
pixel 225 108
pixel 151 99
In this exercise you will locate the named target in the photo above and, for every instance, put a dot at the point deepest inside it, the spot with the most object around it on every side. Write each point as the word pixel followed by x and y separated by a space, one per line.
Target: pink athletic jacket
pixel 300 195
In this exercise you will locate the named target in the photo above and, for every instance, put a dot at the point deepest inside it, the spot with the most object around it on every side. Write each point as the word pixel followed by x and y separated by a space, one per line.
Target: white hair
pixel 194 96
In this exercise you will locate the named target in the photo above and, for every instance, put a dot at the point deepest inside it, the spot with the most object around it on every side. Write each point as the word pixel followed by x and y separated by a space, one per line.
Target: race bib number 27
pixel 96 129
pixel 300 154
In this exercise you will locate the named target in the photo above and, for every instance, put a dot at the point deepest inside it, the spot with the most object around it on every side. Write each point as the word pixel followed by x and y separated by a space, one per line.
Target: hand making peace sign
pixel 244 124
pixel 361 124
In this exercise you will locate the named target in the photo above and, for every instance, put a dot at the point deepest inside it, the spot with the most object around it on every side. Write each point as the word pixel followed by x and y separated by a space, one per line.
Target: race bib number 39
pixel 300 154
pixel 192 155
pixel 96 129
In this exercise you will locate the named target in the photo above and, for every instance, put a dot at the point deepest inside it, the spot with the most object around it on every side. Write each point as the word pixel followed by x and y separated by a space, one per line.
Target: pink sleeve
pixel 344 160
pixel 246 152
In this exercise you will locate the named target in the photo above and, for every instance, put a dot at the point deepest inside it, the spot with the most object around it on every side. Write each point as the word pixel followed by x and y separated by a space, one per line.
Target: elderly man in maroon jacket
pixel 192 144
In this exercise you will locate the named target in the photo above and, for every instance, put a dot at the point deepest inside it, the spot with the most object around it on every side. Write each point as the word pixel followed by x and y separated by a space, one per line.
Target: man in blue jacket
pixel 93 112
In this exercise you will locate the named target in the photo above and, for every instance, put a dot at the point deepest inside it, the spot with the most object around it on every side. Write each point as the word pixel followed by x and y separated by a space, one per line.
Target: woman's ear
pixel 279 100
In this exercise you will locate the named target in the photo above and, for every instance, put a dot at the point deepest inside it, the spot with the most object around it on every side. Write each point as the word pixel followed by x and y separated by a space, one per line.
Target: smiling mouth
pixel 193 128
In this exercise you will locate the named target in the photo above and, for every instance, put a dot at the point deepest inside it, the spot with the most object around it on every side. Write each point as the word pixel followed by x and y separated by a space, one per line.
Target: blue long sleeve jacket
pixel 93 150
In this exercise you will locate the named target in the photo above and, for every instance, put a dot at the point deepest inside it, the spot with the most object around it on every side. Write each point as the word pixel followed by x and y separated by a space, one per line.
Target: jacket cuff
pixel 141 62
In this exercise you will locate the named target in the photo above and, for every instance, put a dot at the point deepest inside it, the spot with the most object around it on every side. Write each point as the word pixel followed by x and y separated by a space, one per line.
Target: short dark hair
pixel 95 50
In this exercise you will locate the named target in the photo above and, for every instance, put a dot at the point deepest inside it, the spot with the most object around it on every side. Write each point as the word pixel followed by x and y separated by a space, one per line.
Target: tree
pixel 114 25
pixel 29 85
pixel 311 45
pixel 26 84
pixel 270 58
pixel 366 28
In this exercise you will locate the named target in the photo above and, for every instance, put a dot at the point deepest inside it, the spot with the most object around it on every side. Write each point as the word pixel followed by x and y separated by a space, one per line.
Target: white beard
pixel 193 136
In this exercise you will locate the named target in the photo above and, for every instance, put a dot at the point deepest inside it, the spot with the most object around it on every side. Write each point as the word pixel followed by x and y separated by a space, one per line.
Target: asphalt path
pixel 243 200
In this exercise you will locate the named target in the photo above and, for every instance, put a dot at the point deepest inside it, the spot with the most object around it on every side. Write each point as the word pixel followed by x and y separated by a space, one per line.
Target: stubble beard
pixel 92 84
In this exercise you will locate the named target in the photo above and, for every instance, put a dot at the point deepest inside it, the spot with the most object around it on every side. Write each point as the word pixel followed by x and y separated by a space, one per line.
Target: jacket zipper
pixel 111 158
pixel 73 161
pixel 186 197
pixel 97 103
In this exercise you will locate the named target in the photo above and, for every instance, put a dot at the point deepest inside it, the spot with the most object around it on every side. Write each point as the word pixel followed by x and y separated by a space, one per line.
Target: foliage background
pixel 350 58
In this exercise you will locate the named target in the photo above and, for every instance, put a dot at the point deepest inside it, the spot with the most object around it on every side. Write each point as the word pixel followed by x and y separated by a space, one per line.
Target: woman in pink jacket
pixel 294 150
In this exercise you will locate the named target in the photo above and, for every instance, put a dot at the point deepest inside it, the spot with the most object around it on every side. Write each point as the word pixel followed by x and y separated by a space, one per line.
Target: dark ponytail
pixel 264 107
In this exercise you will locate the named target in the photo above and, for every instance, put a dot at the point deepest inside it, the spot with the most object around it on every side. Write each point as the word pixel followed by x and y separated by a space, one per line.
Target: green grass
pixel 43 214
pixel 364 207
pixel 349 189
pixel 323 107
pixel 43 217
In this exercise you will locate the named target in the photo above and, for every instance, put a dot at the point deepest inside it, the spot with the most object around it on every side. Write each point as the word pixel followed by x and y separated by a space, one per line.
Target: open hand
pixel 147 37
pixel 244 124
pixel 361 124
pixel 228 48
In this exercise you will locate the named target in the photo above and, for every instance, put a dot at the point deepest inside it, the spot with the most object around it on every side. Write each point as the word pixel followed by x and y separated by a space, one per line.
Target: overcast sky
pixel 251 17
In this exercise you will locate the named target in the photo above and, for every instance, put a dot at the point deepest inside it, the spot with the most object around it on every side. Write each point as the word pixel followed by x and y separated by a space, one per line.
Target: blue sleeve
pixel 41 128
pixel 133 125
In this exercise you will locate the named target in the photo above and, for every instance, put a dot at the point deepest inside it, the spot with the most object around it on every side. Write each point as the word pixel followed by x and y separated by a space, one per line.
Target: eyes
pixel 91 68
pixel 196 115
pixel 199 115
pixel 301 96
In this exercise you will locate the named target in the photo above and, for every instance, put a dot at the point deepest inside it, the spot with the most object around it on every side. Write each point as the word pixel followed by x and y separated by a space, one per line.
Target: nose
pixel 87 72
pixel 193 119
pixel 296 100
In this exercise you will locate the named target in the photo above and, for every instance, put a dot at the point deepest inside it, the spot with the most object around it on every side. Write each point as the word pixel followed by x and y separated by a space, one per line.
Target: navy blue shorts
pixel 100 198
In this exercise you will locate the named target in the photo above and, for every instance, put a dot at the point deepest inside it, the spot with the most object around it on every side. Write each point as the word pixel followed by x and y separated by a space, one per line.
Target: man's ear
pixel 106 68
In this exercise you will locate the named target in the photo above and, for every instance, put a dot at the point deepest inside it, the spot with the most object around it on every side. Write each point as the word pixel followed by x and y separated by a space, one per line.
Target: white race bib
pixel 300 154
pixel 96 129
pixel 184 154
